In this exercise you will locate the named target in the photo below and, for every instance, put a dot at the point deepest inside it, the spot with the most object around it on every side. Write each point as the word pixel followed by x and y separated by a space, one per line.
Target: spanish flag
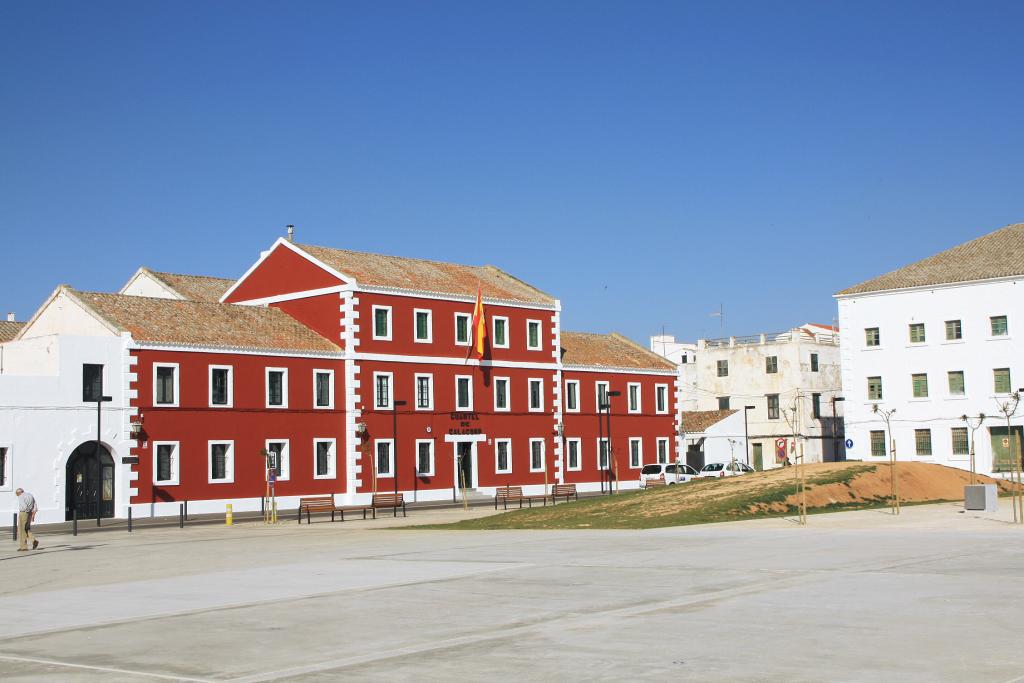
pixel 479 325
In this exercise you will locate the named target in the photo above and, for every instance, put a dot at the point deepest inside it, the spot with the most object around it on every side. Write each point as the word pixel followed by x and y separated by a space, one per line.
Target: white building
pixel 937 340
pixel 713 436
pixel 785 382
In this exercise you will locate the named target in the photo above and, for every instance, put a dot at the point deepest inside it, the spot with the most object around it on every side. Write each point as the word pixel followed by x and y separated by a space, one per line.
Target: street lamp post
pixel 746 435
pixel 99 462
pixel 835 429
pixel 612 463
pixel 394 433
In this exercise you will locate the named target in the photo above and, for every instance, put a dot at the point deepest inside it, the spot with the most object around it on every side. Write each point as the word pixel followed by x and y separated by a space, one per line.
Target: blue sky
pixel 644 161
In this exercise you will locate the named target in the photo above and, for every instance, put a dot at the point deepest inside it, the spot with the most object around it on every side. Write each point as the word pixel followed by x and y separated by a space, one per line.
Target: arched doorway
pixel 89 485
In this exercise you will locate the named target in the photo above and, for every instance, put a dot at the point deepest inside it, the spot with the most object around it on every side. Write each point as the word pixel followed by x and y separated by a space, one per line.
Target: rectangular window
pixel 536 455
pixel 92 382
pixel 917 333
pixel 277 458
pixel 572 396
pixel 877 443
pixel 382 323
pixel 636 453
pixel 221 389
pixel 424 326
pixel 814 362
pixel 771 364
pixel 662 450
pixel 956 382
pixel 872 337
pixel 324 451
pixel 165 465
pixel 536 395
pixel 959 437
pixel 816 406
pixel 382 390
pixel 277 388
pixel 503 456
pixel 999 327
pixel 923 441
pixel 602 454
pixel 500 336
pixel 920 385
pixel 954 330
pixel 1002 380
pixel 501 402
pixel 323 389
pixel 874 388
pixel 384 461
pixel 463 393
pixel 4 460
pixel 533 335
pixel 425 457
pixel 1005 449
pixel 462 329
pixel 633 394
pixel 572 448
pixel 773 406
pixel 424 392
pixel 221 462
pixel 723 403
pixel 661 398
pixel 165 384
pixel 602 395
pixel 723 368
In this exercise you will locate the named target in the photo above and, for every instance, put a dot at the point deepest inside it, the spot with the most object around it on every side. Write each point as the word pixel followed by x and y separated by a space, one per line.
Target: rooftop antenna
pixel 720 314
pixel 291 232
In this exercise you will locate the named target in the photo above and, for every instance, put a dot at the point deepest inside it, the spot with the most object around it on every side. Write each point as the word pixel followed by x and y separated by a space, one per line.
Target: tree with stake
pixel 792 417
pixel 973 426
pixel 893 483
pixel 1009 409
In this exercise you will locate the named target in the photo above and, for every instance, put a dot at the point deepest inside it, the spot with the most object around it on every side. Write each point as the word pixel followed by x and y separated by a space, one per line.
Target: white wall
pixel 717 437
pixel 144 284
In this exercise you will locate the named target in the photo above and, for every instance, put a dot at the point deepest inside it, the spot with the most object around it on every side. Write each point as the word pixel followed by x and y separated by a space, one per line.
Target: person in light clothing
pixel 26 515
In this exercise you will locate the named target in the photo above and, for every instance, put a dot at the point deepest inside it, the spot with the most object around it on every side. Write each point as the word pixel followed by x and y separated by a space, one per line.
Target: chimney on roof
pixel 291 232
pixel 10 317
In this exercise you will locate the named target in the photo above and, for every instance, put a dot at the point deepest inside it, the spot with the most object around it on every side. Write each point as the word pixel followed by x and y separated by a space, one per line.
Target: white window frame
pixel 286 458
pixel 497 469
pixel 373 323
pixel 416 390
pixel 330 385
pixel 568 408
pixel 529 395
pixel 597 393
pixel 508 395
pixel 284 388
pixel 391 391
pixel 543 454
pixel 429 473
pixel 332 458
pixel 494 332
pixel 177 385
pixel 579 454
pixel 607 466
pixel 175 479
pixel 229 462
pixel 658 389
pixel 540 331
pixel 469 329
pixel 639 452
pixel 8 484
pixel 391 457
pixel 430 325
pixel 657 451
pixel 463 409
pixel 639 397
pixel 231 386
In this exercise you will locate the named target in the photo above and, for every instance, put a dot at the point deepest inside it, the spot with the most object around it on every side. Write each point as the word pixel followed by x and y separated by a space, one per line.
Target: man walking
pixel 26 515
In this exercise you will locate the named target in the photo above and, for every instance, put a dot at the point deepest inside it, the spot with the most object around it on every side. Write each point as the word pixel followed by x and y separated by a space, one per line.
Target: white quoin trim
pixel 443 360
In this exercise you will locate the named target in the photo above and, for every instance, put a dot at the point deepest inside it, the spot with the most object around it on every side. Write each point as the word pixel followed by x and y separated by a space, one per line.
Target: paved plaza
pixel 932 596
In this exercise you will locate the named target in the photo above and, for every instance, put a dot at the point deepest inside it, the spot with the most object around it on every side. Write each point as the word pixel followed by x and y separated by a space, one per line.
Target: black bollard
pixel 14 526
pixel 186 510
pixel 74 522
pixel 129 519
pixel 181 516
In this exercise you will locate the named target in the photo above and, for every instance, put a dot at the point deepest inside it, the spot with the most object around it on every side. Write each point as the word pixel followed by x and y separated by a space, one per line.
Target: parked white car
pixel 668 471
pixel 725 469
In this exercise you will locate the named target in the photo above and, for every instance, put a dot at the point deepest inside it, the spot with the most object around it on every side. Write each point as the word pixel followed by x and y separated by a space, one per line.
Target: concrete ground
pixel 933 595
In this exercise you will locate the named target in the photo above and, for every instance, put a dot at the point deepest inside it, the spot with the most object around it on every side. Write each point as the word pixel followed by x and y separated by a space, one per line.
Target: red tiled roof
pixel 585 349
pixel 194 287
pixel 9 330
pixel 697 421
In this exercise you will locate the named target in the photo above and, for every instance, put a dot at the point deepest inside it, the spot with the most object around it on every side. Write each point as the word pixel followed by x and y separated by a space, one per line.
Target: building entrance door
pixel 89 485
pixel 758 456
pixel 464 466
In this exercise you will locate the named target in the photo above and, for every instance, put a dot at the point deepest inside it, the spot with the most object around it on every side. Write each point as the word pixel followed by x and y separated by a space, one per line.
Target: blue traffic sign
pixel 849 443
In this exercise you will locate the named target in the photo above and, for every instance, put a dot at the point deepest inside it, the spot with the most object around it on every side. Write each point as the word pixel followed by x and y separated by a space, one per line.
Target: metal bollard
pixel 129 519
pixel 74 522
pixel 229 518
pixel 181 516
pixel 14 526
pixel 186 510
pixel 263 506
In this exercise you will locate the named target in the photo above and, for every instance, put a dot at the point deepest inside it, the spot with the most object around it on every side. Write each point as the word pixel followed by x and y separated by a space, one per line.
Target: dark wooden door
pixel 89 484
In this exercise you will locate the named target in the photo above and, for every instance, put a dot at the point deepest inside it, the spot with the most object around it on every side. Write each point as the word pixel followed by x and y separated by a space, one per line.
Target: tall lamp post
pixel 612 463
pixel 835 429
pixel 394 432
pixel 746 435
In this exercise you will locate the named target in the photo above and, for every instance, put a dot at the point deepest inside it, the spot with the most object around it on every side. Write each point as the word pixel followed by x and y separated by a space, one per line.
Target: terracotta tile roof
pixel 997 254
pixel 697 421
pixel 201 323
pixel 428 276
pixel 194 287
pixel 9 330
pixel 609 350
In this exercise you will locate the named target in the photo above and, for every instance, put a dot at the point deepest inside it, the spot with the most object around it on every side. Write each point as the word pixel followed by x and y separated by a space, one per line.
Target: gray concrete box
pixel 981 497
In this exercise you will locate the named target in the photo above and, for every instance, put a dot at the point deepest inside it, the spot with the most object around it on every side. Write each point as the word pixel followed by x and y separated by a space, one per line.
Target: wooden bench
pixel 504 494
pixel 651 483
pixel 319 504
pixel 566 491
pixel 387 500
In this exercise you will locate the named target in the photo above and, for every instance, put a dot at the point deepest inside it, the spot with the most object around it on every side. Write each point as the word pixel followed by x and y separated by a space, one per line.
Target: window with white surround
pixel 424 391
pixel 573 462
pixel 165 384
pixel 221 462
pixel 503 456
pixel 278 458
pixel 382 390
pixel 323 389
pixel 277 387
pixel 533 335
pixel 324 459
pixel 602 453
pixel 536 395
pixel 463 392
pixel 536 455
pixel 501 395
pixel 221 386
pixel 636 452
pixel 92 382
pixel 602 395
pixel 423 324
pixel 999 326
pixel 572 396
pixel 384 457
pixel 662 450
pixel 633 394
pixel 166 463
pixel 499 336
pixel 661 399
pixel 425 457
pixel 6 483
pixel 382 323
pixel 462 322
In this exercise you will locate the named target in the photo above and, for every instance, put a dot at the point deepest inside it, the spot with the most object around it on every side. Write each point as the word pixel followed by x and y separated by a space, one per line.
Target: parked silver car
pixel 668 471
